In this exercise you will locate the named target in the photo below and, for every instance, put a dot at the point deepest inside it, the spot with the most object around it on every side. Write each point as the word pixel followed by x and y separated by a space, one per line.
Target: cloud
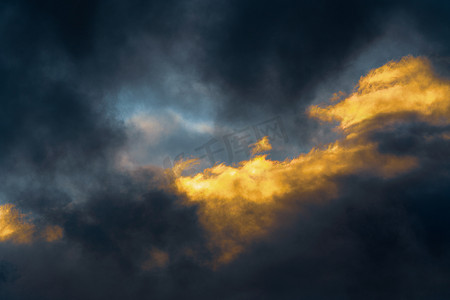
pixel 405 87
pixel 238 204
pixel 15 227
pixel 361 215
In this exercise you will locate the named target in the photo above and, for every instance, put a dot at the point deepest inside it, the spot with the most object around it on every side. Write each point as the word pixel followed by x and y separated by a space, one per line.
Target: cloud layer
pixel 238 203
pixel 94 94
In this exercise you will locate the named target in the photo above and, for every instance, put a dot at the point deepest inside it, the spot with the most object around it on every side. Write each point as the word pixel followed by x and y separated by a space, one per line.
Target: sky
pixel 224 149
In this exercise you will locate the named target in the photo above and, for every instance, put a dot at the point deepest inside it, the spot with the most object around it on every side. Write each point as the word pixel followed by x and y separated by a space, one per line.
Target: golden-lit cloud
pixel 52 233
pixel 17 228
pixel 239 204
pixel 263 145
pixel 397 88
pixel 157 259
pixel 14 226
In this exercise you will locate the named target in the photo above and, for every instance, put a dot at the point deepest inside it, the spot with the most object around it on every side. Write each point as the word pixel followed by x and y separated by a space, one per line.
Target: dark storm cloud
pixel 44 120
pixel 267 53
pixel 380 239
pixel 273 54
pixel 108 240
pixel 59 137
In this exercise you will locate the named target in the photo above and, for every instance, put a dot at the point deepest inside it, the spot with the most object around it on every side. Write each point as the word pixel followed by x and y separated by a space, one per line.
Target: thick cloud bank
pixel 92 91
